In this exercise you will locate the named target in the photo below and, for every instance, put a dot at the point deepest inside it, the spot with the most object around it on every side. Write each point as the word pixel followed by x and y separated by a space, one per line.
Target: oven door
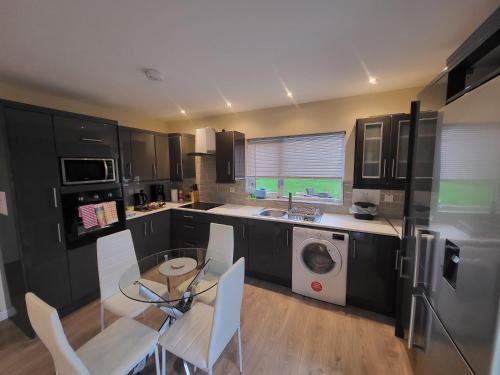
pixel 77 171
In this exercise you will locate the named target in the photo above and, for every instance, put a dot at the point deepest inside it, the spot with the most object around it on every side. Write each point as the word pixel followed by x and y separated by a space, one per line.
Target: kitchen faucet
pixel 289 201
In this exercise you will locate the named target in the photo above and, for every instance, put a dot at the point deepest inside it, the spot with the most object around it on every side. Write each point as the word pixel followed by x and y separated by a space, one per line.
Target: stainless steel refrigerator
pixel 449 272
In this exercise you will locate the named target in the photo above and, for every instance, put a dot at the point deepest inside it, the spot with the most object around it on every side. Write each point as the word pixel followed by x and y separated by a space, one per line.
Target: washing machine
pixel 319 264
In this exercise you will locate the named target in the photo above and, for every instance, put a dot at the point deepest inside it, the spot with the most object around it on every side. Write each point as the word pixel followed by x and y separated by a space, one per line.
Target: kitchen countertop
pixel 388 227
pixel 168 206
pixel 398 226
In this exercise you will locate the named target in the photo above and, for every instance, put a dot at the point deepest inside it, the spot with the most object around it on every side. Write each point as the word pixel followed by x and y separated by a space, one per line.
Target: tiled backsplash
pixel 210 191
pixel 130 188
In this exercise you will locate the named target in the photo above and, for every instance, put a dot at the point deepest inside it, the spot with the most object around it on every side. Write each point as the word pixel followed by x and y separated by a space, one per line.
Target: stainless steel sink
pixel 271 213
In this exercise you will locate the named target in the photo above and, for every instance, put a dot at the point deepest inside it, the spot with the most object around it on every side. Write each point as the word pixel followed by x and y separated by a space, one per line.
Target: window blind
pixel 316 155
pixel 470 152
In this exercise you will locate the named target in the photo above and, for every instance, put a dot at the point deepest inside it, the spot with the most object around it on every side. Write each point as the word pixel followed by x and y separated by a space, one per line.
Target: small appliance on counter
pixel 260 193
pixel 195 194
pixel 364 210
pixel 174 195
pixel 158 193
pixel 140 199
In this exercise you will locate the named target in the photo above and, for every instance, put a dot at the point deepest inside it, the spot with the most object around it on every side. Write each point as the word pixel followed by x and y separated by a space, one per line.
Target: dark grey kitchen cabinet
pixel 240 227
pixel 143 155
pixel 381 154
pixel 150 233
pixel 230 156
pixel 270 251
pixel 83 271
pixel 81 137
pixel 371 272
pixel 124 135
pixel 190 229
pixel 181 162
pixel 162 167
pixel 35 176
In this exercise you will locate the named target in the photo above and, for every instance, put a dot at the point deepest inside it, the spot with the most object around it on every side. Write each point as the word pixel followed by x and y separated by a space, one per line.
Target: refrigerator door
pixel 436 354
pixel 465 288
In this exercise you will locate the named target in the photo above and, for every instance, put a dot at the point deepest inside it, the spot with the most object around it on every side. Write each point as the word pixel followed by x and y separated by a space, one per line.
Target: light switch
pixel 232 189
pixel 388 198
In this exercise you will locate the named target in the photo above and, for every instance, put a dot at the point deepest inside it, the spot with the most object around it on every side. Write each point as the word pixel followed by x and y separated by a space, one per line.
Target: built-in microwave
pixel 77 171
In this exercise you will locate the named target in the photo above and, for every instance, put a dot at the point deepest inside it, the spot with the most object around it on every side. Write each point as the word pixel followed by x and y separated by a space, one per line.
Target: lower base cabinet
pixel 150 233
pixel 83 271
pixel 270 251
pixel 372 271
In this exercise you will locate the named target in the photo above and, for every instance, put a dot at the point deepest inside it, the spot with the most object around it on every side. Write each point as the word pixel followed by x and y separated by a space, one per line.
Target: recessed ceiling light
pixel 289 94
pixel 228 104
pixel 153 74
pixel 372 80
pixel 183 111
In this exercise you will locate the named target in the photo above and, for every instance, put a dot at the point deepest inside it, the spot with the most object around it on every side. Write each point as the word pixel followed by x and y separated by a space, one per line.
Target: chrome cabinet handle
pixel 151 228
pixel 243 230
pixel 392 169
pixel 54 191
pixel 411 330
pixel 385 161
pixel 59 232
pixel 188 227
pixel 287 238
pixel 130 169
pixel 397 258
pixel 145 229
pixel 188 217
pixel 177 168
pixel 354 249
pixel 154 170
pixel 91 140
pixel 229 168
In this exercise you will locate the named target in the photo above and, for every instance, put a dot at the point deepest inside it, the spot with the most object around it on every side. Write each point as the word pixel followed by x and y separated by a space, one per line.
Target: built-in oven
pixel 78 171
pixel 88 215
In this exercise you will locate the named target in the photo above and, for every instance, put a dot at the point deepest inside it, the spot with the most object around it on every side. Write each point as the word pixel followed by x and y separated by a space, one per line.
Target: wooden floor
pixel 282 333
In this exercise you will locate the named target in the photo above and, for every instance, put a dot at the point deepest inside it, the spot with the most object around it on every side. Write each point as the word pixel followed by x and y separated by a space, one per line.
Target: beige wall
pixel 316 117
pixel 25 93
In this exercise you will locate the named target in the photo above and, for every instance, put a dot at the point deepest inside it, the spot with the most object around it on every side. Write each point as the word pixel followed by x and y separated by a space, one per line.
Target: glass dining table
pixel 171 279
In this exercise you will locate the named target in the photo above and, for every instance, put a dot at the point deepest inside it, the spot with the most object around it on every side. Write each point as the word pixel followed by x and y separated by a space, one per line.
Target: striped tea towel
pixel 87 213
pixel 110 212
pixel 99 213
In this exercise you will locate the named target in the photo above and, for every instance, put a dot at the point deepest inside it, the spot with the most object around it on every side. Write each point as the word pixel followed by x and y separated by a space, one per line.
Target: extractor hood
pixel 204 142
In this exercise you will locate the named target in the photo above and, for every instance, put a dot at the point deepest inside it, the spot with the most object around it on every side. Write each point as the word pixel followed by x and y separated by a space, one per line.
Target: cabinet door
pixel 187 148
pixel 372 152
pixel 224 165
pixel 79 137
pixel 143 155
pixel 162 157
pixel 36 180
pixel 159 229
pixel 270 250
pixel 400 137
pixel 371 272
pixel 83 271
pixel 175 158
pixel 125 154
pixel 140 232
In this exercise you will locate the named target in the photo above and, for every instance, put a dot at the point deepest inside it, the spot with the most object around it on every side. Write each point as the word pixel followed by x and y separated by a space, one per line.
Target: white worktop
pixel 168 206
pixel 330 221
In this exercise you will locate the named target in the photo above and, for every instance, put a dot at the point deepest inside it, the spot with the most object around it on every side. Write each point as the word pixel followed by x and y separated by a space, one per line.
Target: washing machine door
pixel 320 257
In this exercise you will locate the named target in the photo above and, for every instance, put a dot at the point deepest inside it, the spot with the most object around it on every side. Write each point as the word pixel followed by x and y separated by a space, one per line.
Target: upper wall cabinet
pixel 381 152
pixel 79 137
pixel 144 155
pixel 230 156
pixel 181 163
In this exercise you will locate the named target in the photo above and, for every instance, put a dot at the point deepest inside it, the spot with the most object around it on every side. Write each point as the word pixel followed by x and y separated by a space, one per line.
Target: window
pixel 311 167
pixel 469 168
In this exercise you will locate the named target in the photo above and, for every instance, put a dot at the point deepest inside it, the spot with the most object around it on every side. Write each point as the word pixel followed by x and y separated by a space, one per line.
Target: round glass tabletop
pixel 170 276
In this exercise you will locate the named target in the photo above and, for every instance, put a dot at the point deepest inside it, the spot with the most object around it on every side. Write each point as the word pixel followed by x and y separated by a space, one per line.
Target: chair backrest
pixel 45 322
pixel 115 255
pixel 221 247
pixel 227 309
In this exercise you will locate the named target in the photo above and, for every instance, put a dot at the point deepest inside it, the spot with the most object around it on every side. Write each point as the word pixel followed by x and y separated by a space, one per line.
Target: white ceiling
pixel 94 50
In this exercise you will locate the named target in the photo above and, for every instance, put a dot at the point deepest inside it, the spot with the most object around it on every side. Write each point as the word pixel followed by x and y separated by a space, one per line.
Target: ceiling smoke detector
pixel 153 74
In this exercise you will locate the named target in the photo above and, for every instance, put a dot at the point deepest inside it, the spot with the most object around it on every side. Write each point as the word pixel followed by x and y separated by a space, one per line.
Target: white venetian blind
pixel 470 152
pixel 317 155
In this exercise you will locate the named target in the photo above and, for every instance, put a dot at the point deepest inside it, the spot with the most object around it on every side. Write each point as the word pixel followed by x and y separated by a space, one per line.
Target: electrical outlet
pixel 388 198
pixel 232 189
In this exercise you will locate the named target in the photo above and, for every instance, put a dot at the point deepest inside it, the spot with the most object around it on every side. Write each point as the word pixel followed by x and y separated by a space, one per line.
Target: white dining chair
pixel 115 351
pixel 221 249
pixel 115 256
pixel 202 334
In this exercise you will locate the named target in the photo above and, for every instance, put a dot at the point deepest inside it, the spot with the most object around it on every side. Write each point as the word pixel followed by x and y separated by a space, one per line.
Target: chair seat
pixel 115 351
pixel 189 337
pixel 207 297
pixel 121 305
